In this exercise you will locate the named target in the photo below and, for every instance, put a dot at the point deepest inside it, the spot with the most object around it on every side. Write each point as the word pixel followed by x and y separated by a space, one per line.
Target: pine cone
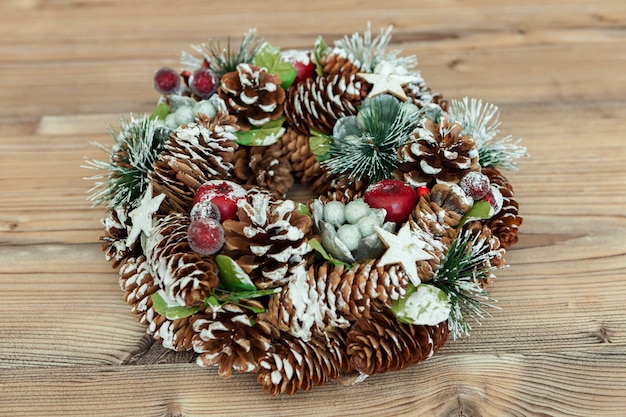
pixel 295 146
pixel 493 249
pixel 421 95
pixel 268 238
pixel 137 282
pixel 506 223
pixel 333 296
pixel 194 154
pixel 253 95
pixel 382 344
pixel 231 339
pixel 318 103
pixel 334 64
pixel 439 152
pixel 293 364
pixel 115 245
pixel 264 166
pixel 186 277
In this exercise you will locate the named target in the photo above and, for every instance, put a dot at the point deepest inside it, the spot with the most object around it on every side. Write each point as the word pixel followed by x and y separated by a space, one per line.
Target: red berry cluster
pixel 214 202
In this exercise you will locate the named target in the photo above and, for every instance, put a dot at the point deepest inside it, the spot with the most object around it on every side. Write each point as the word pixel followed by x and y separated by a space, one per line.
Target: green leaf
pixel 480 210
pixel 232 277
pixel 303 209
pixel 320 145
pixel 171 312
pixel 317 246
pixel 319 50
pixel 266 135
pixel 161 111
pixel 269 57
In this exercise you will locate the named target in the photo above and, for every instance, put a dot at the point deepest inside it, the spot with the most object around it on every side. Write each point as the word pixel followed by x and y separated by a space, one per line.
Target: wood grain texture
pixel 557 347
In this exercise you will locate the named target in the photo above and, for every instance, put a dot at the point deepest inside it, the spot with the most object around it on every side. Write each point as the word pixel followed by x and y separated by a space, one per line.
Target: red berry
pixel 422 190
pixel 204 210
pixel 397 197
pixel 301 60
pixel 224 194
pixel 475 184
pixel 166 81
pixel 205 236
pixel 203 83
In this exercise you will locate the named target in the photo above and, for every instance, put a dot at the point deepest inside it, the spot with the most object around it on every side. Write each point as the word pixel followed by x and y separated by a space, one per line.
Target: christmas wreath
pixel 409 219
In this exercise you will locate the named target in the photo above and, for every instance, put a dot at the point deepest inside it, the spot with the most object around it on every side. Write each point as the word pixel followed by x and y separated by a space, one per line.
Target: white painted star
pixel 387 79
pixel 405 248
pixel 142 215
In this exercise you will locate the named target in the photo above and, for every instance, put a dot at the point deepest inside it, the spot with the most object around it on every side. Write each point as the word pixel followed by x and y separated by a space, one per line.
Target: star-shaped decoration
pixel 386 79
pixel 142 215
pixel 405 248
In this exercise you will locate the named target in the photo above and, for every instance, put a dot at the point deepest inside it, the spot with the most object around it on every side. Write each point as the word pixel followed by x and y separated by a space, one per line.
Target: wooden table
pixel 69 69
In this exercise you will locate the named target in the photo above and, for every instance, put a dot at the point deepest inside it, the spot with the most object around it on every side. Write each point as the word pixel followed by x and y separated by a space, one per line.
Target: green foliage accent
pixel 160 112
pixel 269 57
pixel 171 312
pixel 131 159
pixel 365 146
pixel 480 210
pixel 219 298
pixel 319 50
pixel 459 275
pixel 226 60
pixel 317 246
pixel 303 209
pixel 266 135
pixel 319 143
pixel 232 277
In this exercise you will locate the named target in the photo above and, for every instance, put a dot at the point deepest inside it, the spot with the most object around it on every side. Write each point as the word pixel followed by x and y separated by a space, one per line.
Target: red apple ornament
pixel 397 198
pixel 224 194
pixel 301 60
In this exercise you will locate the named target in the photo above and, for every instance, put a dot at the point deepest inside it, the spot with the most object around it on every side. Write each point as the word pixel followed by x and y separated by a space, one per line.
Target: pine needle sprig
pixel 224 60
pixel 459 275
pixel 481 123
pixel 366 53
pixel 369 151
pixel 132 156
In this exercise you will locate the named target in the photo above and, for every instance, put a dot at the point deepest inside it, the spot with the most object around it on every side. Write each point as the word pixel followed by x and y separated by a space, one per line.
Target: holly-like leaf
pixel 303 209
pixel 160 112
pixel 319 144
pixel 480 210
pixel 269 57
pixel 232 277
pixel 266 135
pixel 172 312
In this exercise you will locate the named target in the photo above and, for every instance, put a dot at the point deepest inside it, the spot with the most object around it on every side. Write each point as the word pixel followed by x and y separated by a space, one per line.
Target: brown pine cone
pixel 293 364
pixel 334 64
pixel 421 95
pixel 138 285
pixel 115 244
pixel 318 103
pixel 231 339
pixel 253 95
pixel 268 238
pixel 506 223
pixel 194 154
pixel 295 146
pixel 186 277
pixel 382 344
pixel 492 250
pixel 439 152
pixel 271 169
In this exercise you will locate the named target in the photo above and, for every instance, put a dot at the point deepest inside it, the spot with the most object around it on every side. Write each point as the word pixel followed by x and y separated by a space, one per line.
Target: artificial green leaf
pixel 171 312
pixel 269 57
pixel 266 135
pixel 161 111
pixel 317 246
pixel 480 210
pixel 303 209
pixel 319 51
pixel 232 277
pixel 320 145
